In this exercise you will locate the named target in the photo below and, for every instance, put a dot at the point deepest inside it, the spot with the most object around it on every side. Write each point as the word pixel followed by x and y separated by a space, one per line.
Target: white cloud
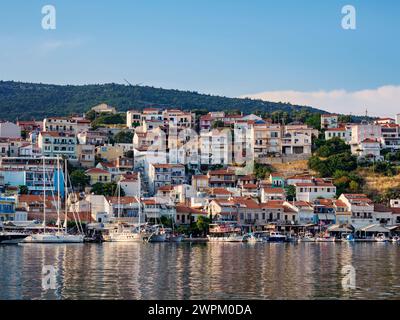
pixel 383 101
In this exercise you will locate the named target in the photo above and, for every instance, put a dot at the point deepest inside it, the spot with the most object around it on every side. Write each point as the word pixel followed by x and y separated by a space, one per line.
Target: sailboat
pixel 61 236
pixel 124 233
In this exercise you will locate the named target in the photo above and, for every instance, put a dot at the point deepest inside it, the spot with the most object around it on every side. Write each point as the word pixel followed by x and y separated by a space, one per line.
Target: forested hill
pixel 26 101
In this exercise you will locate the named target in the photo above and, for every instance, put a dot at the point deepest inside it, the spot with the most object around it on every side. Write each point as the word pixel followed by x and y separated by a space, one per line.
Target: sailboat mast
pixel 44 196
pixel 140 198
pixel 119 200
pixel 66 197
pixel 58 194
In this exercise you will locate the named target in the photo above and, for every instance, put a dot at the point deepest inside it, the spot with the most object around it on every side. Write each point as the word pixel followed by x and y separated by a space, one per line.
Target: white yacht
pixel 124 233
pixel 57 237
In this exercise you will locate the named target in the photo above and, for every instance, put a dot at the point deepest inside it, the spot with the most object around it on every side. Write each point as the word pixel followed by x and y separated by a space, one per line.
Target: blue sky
pixel 227 47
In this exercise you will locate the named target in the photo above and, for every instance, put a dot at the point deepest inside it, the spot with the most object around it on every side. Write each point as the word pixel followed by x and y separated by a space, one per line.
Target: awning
pixel 374 228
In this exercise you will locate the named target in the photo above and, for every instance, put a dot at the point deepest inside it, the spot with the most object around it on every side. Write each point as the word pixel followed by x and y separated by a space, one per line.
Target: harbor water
pixel 200 271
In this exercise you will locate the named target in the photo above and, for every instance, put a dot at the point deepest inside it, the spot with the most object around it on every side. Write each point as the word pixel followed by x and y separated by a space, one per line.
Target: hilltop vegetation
pixel 28 100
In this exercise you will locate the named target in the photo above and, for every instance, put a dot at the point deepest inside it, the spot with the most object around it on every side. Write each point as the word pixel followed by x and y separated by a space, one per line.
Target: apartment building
pixel 267 140
pixel 28 171
pixel 95 138
pixel 183 146
pixel 178 118
pixel 71 125
pixel 133 119
pixel 86 155
pixel 297 140
pixel 361 208
pixel 343 132
pixel 221 179
pixel 216 147
pixel 390 136
pixel 98 175
pixel 317 188
pixel 366 139
pixel 61 144
pixel 165 175
pixel 329 121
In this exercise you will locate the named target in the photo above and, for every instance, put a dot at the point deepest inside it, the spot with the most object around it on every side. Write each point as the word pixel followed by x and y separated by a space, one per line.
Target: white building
pixel 318 188
pixel 343 133
pixel 104 108
pixel 216 147
pixel 130 184
pixel 366 139
pixel 297 140
pixel 329 121
pixel 9 130
pixel 54 144
pixel 165 175
pixel 133 119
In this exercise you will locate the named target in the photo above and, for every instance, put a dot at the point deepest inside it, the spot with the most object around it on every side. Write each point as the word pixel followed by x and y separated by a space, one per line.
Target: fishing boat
pixel 348 237
pixel 325 238
pixel 276 237
pixel 395 239
pixel 226 233
pixel 257 236
pixel 175 238
pixel 60 236
pixel 158 234
pixel 308 237
pixel 380 237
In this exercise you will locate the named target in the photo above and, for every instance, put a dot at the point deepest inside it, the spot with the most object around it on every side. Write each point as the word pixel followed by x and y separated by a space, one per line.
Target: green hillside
pixel 26 101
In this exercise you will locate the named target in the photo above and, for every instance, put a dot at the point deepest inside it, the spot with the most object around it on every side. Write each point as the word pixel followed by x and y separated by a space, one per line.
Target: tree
pixel 123 137
pixel 314 121
pixel 291 192
pixel 107 189
pixel 262 171
pixel 79 179
pixel 218 124
pixel 202 224
pixel 23 190
pixel 331 147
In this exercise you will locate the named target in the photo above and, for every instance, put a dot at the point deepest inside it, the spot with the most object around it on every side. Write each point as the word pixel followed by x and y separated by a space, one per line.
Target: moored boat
pixel 54 238
pixel 308 237
pixel 12 237
pixel 380 237
pixel 225 232
pixel 276 237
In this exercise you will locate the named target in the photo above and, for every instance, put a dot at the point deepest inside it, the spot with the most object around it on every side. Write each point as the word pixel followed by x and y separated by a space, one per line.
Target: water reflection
pixel 200 271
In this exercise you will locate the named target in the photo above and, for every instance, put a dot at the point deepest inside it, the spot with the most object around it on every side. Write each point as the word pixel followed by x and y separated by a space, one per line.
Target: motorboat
pixel 380 237
pixel 325 238
pixel 308 237
pixel 124 234
pixel 256 237
pixel 396 239
pixel 276 237
pixel 7 237
pixel 348 237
